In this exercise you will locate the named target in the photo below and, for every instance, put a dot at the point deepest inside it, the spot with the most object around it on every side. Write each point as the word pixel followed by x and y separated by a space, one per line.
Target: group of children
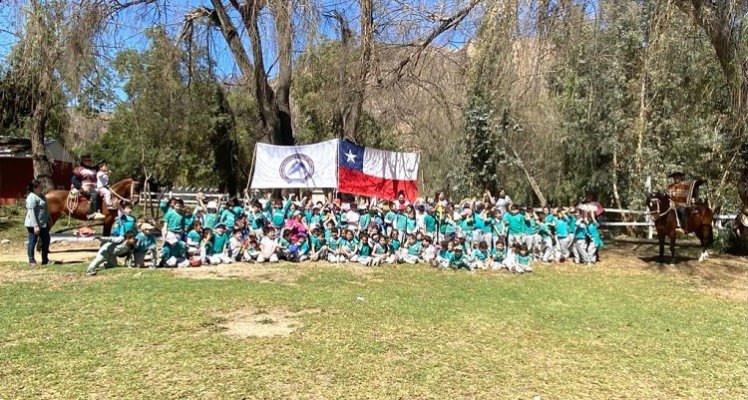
pixel 486 234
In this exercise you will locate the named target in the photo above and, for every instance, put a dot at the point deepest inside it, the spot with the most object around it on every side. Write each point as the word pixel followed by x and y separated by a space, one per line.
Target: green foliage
pixel 636 88
pixel 319 91
pixel 176 126
pixel 483 146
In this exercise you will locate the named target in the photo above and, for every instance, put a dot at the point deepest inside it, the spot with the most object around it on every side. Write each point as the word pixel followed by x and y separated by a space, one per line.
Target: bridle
pixel 132 193
pixel 656 214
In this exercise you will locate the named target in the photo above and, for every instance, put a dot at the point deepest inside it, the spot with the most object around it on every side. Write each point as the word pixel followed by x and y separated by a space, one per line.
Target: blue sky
pixel 128 29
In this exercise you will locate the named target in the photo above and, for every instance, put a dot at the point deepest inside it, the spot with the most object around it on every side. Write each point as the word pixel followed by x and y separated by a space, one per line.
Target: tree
pixel 175 126
pixel 54 53
pixel 725 25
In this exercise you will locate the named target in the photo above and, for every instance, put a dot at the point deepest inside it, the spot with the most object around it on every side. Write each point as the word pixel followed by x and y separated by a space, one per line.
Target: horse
pixel 665 217
pixel 59 203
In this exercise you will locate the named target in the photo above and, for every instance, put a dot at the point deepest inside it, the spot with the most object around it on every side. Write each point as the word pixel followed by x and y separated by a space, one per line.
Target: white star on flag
pixel 350 157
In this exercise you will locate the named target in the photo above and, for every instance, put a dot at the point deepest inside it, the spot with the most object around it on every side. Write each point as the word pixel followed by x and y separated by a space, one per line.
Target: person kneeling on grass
pixel 174 252
pixel 410 251
pixel 111 248
pixel 445 256
pixel 523 260
pixel 428 250
pixel 146 245
pixel 219 253
pixel 318 250
pixel 459 259
pixel 481 257
pixel 499 256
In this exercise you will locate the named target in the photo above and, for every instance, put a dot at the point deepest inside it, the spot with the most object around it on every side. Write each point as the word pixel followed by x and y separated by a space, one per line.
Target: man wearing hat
pixel 679 192
pixel 84 180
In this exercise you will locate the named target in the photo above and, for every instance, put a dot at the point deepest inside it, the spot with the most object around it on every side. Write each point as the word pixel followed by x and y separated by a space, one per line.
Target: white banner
pixel 311 166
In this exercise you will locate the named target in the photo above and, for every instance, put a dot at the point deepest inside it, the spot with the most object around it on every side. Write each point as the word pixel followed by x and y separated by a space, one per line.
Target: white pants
pixel 407 258
pixel 532 242
pixel 499 265
pixel 562 247
pixel 515 239
pixel 478 264
pixel 442 262
pixel 105 260
pixel 363 260
pixel 591 252
pixel 179 262
pixel 547 248
pixel 220 259
pixel 385 258
pixel 335 258
pixel 579 250
pixel 107 195
pixel 273 258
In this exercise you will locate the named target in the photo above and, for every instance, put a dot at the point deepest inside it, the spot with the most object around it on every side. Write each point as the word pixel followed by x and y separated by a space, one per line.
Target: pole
pixel 251 171
pixel 648 186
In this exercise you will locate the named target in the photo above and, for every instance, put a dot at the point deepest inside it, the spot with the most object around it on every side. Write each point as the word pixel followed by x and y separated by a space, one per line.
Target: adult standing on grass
pixel 37 221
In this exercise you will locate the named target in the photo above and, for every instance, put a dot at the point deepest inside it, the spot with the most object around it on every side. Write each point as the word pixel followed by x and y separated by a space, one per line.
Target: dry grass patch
pixel 10 275
pixel 723 276
pixel 258 323
pixel 265 273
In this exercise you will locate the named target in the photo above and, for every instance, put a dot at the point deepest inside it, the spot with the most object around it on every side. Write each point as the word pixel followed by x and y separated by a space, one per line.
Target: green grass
pixel 417 333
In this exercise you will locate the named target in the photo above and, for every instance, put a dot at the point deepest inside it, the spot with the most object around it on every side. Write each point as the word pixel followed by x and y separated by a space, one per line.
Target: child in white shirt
pixel 102 184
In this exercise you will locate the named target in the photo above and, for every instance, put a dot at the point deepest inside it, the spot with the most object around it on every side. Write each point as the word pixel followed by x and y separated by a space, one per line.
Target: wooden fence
pixel 641 218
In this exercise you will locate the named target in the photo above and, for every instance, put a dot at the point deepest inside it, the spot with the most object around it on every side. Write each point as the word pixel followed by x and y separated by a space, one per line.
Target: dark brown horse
pixel 665 217
pixel 59 204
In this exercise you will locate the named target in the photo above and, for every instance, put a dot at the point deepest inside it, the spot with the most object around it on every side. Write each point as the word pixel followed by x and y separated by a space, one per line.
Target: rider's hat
pixel 676 173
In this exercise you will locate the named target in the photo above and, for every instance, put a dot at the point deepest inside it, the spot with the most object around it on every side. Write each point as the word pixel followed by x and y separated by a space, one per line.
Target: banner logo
pixel 296 168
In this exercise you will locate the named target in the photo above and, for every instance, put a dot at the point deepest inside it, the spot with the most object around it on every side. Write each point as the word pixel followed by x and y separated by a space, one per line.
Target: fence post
pixel 648 217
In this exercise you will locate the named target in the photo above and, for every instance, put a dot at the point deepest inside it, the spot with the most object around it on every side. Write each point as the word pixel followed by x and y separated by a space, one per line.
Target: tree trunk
pixel 274 110
pixel 353 112
pixel 225 147
pixel 530 179
pixel 38 126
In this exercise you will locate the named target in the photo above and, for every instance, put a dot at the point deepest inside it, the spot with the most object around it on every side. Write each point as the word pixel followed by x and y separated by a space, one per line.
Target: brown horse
pixel 58 203
pixel 665 217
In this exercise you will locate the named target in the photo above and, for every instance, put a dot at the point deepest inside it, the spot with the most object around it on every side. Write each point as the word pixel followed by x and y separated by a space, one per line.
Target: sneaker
pixel 32 263
pixel 90 273
pixel 96 216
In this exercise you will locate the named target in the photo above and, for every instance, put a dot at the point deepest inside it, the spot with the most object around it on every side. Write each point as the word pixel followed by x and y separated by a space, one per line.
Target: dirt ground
pixel 252 322
pixel 67 252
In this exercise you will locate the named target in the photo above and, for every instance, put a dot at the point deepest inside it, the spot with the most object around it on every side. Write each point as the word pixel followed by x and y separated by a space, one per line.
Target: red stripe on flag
pixel 356 182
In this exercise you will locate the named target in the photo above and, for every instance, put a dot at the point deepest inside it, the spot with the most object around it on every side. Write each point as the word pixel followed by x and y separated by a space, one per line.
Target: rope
pixel 72 203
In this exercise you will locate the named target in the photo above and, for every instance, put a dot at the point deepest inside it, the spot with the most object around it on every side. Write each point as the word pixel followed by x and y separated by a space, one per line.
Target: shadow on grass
pixel 667 260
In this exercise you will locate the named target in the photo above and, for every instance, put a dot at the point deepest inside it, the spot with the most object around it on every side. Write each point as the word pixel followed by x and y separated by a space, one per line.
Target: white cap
pixel 171 238
pixel 212 204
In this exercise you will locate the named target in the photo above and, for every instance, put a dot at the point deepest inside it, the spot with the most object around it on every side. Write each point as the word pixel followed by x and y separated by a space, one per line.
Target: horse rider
pixel 84 181
pixel 679 192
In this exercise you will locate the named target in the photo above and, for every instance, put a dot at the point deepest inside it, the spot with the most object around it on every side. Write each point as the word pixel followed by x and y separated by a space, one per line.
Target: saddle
pixel 744 220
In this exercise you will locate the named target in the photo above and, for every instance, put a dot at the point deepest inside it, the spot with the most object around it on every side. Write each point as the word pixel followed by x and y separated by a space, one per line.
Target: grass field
pixel 610 331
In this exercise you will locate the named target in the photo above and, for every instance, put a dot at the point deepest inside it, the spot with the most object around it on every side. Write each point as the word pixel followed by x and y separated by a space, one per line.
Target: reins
pixel 657 214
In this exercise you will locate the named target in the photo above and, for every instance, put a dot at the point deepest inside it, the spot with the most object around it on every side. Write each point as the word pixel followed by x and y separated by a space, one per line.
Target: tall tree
pixel 725 23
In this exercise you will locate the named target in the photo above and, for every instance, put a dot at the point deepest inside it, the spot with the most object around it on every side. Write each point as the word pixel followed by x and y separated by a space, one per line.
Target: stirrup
pixel 96 216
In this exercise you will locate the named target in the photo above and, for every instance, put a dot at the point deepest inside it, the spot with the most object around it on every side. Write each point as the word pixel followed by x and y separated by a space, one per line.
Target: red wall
pixel 16 173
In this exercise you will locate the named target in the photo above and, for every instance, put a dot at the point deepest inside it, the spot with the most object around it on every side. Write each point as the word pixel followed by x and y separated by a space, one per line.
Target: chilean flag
pixel 377 173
